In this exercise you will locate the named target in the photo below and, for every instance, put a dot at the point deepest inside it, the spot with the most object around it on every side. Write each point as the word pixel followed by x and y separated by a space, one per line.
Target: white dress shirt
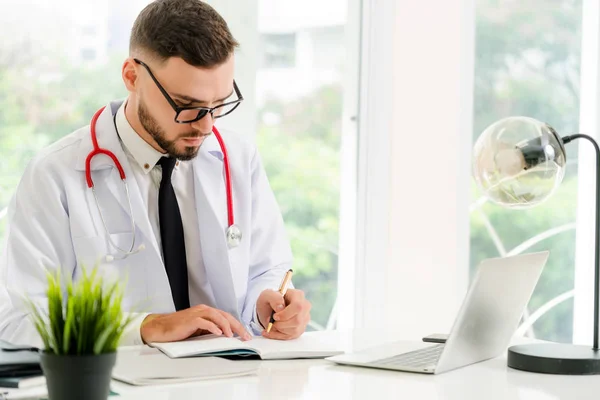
pixel 143 159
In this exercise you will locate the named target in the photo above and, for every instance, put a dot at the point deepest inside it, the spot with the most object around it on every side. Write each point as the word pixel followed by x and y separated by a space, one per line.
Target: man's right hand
pixel 194 321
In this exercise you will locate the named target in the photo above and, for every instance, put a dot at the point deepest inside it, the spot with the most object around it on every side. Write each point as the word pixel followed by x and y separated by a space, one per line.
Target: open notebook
pixel 309 345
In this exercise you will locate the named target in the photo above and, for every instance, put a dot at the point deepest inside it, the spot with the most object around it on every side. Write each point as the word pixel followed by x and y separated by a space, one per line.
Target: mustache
pixel 194 135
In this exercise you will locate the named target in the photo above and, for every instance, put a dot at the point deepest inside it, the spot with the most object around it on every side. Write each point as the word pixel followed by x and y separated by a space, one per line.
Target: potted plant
pixel 81 328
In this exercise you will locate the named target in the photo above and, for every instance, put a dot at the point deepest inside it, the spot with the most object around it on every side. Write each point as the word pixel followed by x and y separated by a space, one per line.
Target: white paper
pixel 22 394
pixel 309 345
pixel 151 367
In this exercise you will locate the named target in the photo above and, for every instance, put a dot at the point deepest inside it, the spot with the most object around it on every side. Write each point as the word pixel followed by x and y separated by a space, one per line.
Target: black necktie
pixel 171 234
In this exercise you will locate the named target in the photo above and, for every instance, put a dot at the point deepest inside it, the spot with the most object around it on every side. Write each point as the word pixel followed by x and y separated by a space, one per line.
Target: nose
pixel 204 125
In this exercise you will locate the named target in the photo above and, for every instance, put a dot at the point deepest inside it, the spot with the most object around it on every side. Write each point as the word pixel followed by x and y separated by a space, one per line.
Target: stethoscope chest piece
pixel 234 236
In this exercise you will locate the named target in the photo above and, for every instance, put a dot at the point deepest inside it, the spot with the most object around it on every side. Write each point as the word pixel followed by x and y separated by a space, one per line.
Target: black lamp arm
pixel 566 140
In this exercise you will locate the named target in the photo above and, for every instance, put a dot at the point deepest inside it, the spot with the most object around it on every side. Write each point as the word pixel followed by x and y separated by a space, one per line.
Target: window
pixel 278 50
pixel 89 30
pixel 51 85
pixel 299 116
pixel 88 54
pixel 528 63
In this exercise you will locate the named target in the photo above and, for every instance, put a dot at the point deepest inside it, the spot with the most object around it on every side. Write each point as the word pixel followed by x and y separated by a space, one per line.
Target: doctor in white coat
pixel 180 78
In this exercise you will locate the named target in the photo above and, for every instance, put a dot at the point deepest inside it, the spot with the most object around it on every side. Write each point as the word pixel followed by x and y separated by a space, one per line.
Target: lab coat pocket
pixel 90 251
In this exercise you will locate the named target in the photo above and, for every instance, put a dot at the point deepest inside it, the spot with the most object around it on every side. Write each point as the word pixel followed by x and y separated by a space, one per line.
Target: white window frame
pixel 343 313
pixel 412 247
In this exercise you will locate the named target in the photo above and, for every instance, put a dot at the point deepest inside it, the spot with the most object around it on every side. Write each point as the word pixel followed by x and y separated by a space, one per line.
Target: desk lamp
pixel 518 163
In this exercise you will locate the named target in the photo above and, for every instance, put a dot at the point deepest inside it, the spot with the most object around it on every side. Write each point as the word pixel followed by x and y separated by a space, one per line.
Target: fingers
pixel 218 319
pixel 285 334
pixel 294 327
pixel 291 322
pixel 274 334
pixel 236 326
pixel 223 320
pixel 297 304
pixel 206 325
pixel 193 321
pixel 275 300
pixel 297 320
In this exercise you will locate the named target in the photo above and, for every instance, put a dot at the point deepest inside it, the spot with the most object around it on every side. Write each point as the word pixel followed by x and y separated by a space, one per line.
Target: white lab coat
pixel 54 221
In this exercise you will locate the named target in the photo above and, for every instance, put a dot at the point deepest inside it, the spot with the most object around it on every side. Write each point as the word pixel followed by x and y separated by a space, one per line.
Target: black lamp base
pixel 555 358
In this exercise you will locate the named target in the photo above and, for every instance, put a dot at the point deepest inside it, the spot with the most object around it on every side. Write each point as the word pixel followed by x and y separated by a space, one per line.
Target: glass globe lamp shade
pixel 518 162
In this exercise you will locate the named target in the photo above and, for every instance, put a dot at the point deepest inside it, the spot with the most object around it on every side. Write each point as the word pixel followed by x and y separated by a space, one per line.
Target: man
pixel 177 260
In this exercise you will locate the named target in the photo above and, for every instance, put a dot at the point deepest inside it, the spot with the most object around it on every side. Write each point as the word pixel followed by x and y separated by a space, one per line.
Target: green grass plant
pixel 83 318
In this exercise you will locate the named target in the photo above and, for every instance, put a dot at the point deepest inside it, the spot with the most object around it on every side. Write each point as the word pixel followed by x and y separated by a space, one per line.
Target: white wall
pixel 412 269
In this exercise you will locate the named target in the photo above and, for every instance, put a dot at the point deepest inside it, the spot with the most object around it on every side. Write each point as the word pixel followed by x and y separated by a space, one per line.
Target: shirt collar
pixel 142 152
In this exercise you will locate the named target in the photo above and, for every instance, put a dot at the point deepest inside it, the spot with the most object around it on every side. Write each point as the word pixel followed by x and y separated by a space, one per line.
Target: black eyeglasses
pixel 187 115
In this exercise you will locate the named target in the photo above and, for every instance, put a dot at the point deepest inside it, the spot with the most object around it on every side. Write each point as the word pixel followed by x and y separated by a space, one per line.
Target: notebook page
pixel 201 345
pixel 309 345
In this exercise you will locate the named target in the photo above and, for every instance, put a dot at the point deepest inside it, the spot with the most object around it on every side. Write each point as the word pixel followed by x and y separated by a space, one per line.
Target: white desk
pixel 320 379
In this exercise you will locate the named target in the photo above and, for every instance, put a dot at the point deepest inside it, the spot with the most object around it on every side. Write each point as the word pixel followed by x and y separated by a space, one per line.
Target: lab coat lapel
pixel 108 139
pixel 211 199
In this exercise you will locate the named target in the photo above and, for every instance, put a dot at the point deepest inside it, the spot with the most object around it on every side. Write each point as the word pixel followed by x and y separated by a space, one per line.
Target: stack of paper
pixel 22 382
pixel 151 367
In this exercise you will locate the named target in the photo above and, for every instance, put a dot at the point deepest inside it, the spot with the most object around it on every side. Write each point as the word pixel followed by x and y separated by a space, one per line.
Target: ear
pixel 129 74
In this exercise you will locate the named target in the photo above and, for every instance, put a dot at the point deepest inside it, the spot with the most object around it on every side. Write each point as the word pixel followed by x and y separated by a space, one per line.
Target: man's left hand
pixel 292 313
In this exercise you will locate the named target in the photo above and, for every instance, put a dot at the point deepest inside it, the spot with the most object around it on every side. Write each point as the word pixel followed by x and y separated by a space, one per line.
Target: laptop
pixel 486 322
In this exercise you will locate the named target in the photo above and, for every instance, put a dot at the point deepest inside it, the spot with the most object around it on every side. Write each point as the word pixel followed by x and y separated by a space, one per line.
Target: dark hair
pixel 189 29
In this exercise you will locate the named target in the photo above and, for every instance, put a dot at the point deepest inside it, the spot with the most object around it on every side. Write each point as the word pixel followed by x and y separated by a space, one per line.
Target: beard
pixel 159 135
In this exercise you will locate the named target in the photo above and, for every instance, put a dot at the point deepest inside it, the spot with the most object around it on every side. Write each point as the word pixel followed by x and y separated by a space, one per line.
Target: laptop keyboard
pixel 426 357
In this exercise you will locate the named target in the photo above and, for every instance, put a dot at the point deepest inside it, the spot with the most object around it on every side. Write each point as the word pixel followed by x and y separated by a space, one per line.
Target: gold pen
pixel 282 289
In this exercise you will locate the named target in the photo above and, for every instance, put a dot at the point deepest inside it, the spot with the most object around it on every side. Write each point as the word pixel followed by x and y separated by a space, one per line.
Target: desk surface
pixel 320 379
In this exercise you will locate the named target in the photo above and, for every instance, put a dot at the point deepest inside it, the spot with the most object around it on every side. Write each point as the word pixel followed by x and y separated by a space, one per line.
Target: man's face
pixel 188 86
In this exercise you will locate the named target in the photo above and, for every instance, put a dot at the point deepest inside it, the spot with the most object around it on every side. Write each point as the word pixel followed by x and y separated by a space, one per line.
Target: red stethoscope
pixel 233 233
